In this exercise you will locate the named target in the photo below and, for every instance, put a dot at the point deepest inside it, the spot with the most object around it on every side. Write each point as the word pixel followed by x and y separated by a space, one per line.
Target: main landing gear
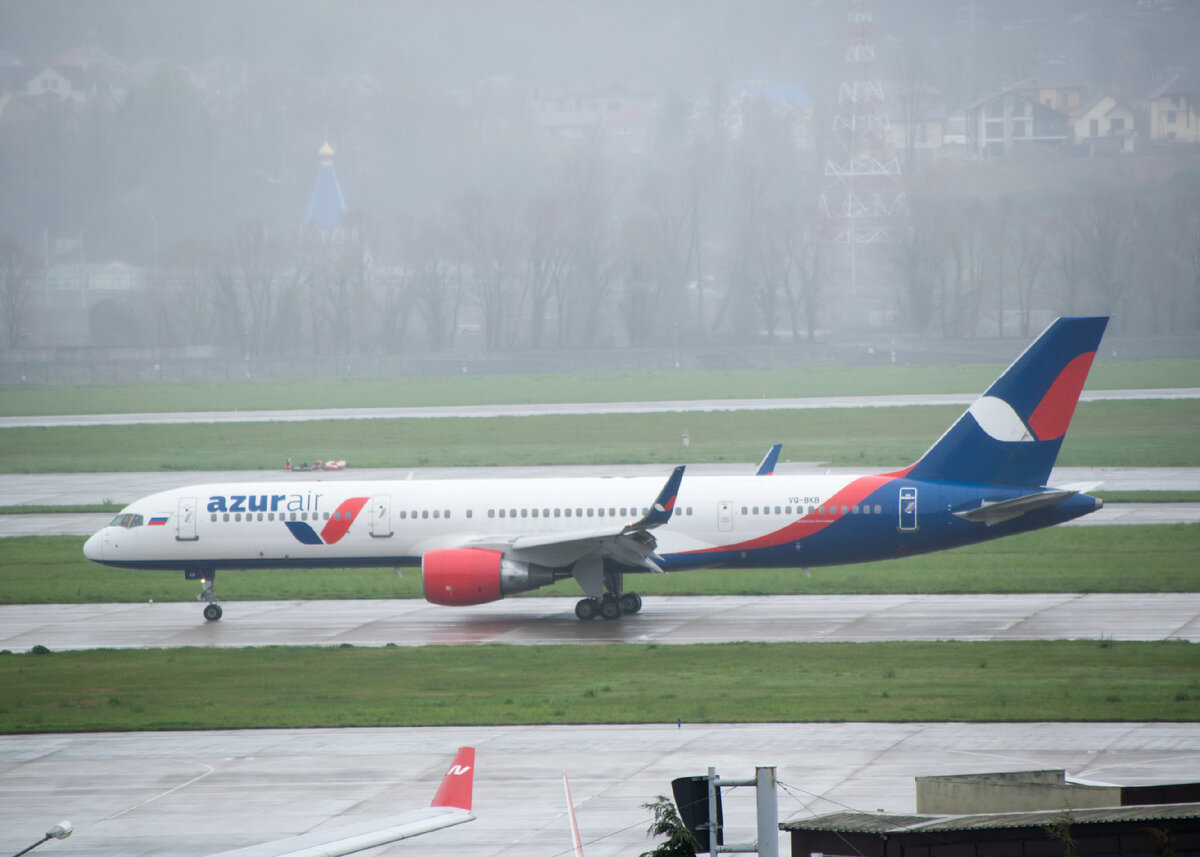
pixel 608 607
pixel 207 577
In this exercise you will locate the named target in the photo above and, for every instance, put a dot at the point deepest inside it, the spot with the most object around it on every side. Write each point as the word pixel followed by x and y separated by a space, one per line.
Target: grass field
pixel 121 690
pixel 1150 434
pixel 599 387
pixel 52 569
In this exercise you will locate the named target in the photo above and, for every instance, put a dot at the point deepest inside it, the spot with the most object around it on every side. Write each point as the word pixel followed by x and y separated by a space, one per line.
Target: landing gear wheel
pixel 212 612
pixel 631 602
pixel 610 608
pixel 587 608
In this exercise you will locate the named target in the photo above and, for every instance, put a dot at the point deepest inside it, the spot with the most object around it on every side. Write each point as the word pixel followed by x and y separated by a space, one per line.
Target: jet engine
pixel 458 577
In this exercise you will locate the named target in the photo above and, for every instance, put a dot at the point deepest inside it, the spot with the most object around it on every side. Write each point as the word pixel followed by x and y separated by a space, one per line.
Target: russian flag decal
pixel 158 521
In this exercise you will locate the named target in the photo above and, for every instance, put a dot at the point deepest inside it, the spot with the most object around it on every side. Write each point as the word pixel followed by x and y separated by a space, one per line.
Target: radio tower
pixel 861 195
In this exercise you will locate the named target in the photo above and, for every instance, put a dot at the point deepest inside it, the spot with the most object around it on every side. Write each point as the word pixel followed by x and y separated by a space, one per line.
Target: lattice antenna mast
pixel 861 195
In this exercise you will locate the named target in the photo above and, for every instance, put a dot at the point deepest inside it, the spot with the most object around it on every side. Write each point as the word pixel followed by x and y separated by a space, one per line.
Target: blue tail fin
pixel 1013 432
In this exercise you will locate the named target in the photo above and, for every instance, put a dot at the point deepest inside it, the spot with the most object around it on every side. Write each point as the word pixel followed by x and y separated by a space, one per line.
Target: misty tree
pixel 998 231
pixel 958 306
pixel 915 96
pixel 1106 226
pixel 1067 250
pixel 918 254
pixel 546 259
pixel 251 282
pixel 187 302
pixel 1186 219
pixel 433 278
pixel 807 266
pixel 488 236
pixel 1030 257
pixel 335 270
pixel 18 271
pixel 763 171
pixel 582 298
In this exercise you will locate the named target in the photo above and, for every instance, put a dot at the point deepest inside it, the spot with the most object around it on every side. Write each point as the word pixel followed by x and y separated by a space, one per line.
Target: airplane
pixel 451 805
pixel 480 540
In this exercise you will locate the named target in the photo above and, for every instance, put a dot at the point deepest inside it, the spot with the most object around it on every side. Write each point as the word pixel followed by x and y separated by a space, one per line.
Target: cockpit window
pixel 126 520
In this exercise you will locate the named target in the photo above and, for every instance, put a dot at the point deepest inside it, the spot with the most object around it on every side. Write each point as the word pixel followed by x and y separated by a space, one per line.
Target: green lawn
pixel 880 379
pixel 1150 434
pixel 121 690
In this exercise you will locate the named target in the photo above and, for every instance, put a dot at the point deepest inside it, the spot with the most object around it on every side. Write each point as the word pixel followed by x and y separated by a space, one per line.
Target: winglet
pixel 455 789
pixel 767 466
pixel 576 842
pixel 664 504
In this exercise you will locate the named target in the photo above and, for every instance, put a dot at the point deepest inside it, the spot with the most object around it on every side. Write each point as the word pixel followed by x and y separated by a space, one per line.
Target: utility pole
pixel 707 824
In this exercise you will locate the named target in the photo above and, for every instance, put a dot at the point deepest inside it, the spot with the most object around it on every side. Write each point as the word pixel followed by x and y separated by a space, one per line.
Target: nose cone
pixel 93 548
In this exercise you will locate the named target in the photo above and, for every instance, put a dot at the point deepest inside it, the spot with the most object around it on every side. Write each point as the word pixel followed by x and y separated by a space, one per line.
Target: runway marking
pixel 211 770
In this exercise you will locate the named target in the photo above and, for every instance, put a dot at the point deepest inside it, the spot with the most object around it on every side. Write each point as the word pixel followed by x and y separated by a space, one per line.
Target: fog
pixel 556 179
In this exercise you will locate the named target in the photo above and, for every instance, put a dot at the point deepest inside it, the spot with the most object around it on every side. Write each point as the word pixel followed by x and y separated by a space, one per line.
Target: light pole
pixel 59 831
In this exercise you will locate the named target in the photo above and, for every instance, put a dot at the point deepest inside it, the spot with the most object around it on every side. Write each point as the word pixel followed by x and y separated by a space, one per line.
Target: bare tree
pixel 546 260
pixel 434 280
pixel 18 270
pixel 582 299
pixel 1029 264
pixel 489 237
pixel 919 256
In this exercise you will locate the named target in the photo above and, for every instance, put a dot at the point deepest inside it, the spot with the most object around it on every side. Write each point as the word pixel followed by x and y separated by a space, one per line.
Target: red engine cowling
pixel 458 577
pixel 461 576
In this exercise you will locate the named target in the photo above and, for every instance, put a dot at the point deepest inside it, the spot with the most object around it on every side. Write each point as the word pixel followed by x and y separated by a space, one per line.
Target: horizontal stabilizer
pixel 991 513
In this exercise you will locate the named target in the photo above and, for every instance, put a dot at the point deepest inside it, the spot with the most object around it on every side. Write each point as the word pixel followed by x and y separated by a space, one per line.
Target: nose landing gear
pixel 207 577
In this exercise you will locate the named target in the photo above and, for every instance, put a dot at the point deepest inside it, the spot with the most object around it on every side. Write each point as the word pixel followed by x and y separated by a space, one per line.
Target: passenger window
pixel 447 514
pixel 270 516
pixel 491 513
pixel 225 518
pixel 568 511
pixel 878 509
pixel 425 514
pixel 545 513
pixel 238 517
pixel 213 518
pixel 535 513
pixel 745 511
pixel 437 513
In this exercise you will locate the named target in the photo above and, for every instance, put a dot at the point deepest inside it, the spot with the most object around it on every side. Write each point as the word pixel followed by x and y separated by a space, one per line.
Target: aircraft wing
pixel 631 544
pixel 451 805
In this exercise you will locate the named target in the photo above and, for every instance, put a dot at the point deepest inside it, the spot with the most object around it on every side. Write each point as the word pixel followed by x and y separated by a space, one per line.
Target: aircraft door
pixel 725 516
pixel 381 516
pixel 908 510
pixel 185 520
